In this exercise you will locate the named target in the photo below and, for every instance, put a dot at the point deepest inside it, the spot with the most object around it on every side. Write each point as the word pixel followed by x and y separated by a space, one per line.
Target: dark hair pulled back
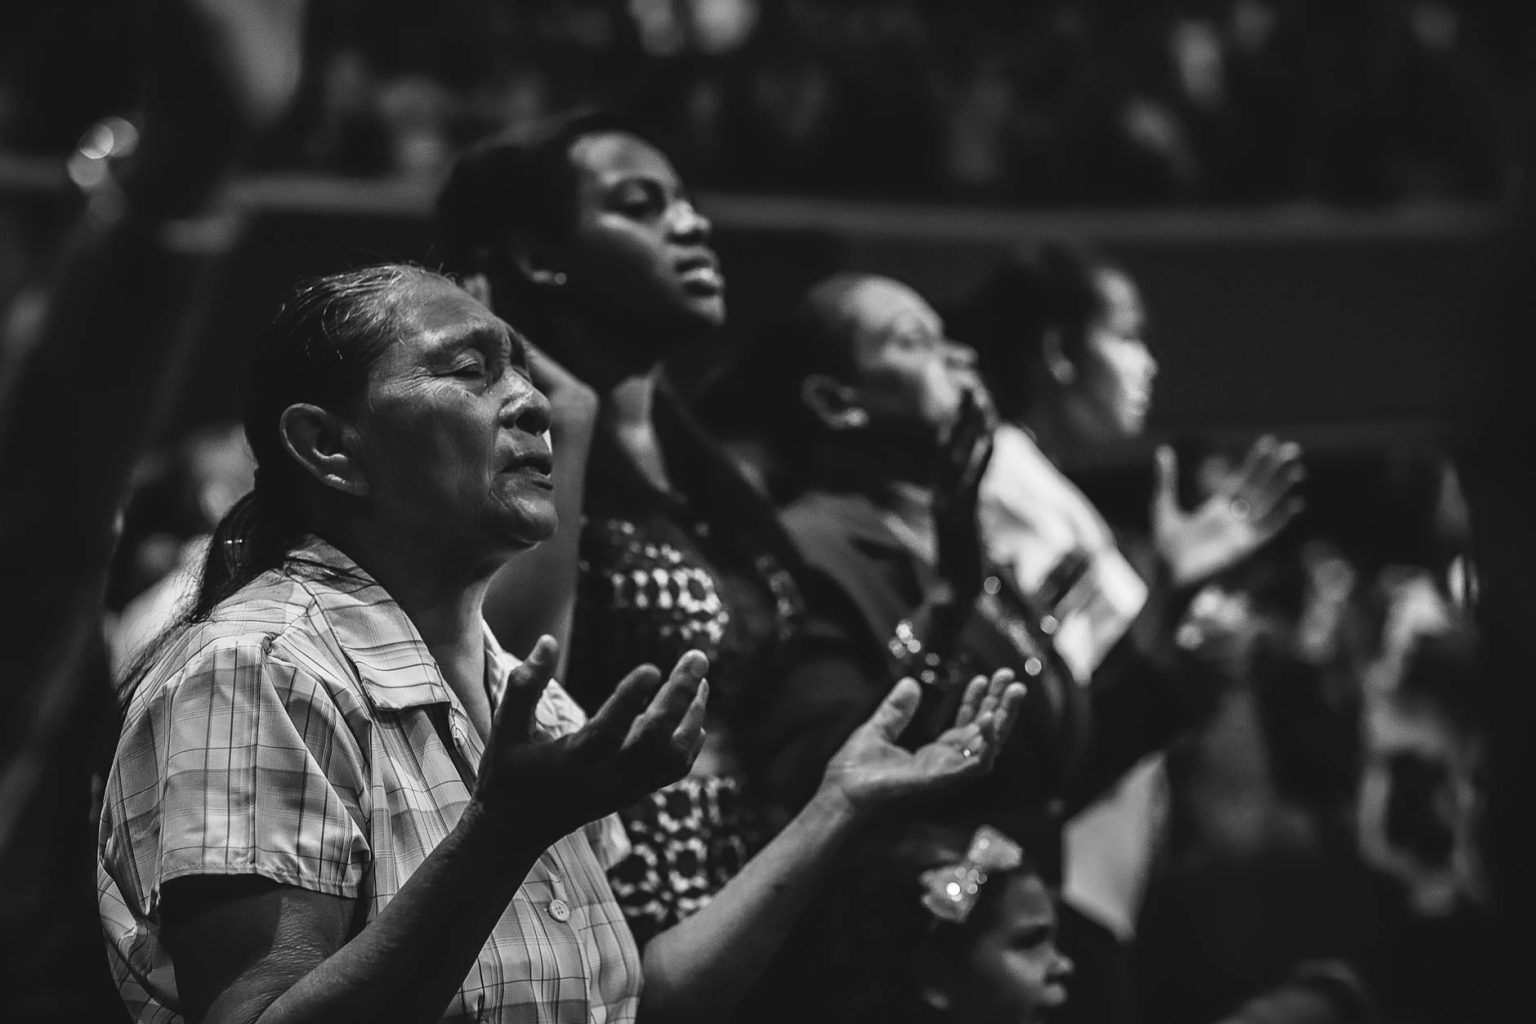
pixel 518 182
pixel 1037 290
pixel 877 923
pixel 320 349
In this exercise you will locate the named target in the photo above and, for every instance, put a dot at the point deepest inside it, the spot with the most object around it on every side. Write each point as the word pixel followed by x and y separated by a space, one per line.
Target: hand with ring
pixel 1251 506
pixel 872 769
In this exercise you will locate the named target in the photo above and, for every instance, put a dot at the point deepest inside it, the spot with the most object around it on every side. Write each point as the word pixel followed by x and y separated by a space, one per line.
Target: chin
pixel 705 315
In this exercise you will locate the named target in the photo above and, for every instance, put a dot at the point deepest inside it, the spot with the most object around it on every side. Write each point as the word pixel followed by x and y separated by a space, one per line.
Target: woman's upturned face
pixel 1113 390
pixel 1013 973
pixel 638 245
pixel 452 430
pixel 911 377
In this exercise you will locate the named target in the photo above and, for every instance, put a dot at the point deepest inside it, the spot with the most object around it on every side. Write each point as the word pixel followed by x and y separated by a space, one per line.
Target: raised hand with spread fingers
pixel 872 769
pixel 1252 505
pixel 645 736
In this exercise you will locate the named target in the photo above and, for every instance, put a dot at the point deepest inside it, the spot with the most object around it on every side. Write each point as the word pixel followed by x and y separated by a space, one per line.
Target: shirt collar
pixel 392 661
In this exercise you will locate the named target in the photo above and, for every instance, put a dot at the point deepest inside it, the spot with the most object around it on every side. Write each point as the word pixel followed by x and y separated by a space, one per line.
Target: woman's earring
pixel 551 278
pixel 851 419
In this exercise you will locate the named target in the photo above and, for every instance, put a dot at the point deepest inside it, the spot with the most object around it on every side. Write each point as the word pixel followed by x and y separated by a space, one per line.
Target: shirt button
pixel 992 584
pixel 559 910
pixel 1033 666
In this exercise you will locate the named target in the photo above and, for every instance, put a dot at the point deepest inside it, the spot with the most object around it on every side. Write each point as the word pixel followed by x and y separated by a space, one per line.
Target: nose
pixel 1061 968
pixel 688 224
pixel 959 357
pixel 525 407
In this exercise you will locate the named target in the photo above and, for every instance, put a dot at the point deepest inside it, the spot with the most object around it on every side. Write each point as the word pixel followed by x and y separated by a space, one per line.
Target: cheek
pixel 446 448
pixel 620 262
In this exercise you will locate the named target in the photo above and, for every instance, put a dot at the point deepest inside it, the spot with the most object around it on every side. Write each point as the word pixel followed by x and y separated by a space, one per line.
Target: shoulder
pixel 272 631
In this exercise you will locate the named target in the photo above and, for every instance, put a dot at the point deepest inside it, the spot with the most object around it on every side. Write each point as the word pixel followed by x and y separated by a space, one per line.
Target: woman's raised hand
pixel 956 488
pixel 645 736
pixel 871 769
pixel 1254 503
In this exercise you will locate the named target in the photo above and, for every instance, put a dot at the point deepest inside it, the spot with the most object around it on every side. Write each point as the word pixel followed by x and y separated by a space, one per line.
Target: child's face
pixel 1013 973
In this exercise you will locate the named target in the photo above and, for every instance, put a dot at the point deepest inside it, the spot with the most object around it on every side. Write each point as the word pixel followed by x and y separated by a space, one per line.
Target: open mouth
pixel 700 271
pixel 532 464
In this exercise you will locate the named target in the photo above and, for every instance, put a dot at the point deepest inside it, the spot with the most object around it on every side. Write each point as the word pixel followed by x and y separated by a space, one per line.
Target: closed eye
pixel 472 367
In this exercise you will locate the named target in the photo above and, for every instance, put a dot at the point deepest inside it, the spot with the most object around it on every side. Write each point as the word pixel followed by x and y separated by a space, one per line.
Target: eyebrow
pixel 485 334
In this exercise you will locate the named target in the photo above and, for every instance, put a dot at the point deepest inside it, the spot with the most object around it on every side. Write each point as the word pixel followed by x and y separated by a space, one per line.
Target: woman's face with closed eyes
pixel 638 247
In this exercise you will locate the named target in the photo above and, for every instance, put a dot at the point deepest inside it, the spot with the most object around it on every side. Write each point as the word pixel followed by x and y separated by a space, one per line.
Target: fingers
pixel 1165 492
pixel 621 712
pixel 971 701
pixel 672 701
pixel 997 686
pixel 525 684
pixel 667 737
pixel 688 737
pixel 980 739
pixel 968 446
pixel 1278 516
pixel 1007 714
pixel 1268 473
pixel 895 713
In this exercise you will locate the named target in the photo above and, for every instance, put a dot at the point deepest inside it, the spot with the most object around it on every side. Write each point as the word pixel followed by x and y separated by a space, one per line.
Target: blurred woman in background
pixel 1059 332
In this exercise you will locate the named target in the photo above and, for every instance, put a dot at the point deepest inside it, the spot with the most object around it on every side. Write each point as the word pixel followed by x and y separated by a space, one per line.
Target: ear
pixel 1057 363
pixel 325 445
pixel 534 261
pixel 835 404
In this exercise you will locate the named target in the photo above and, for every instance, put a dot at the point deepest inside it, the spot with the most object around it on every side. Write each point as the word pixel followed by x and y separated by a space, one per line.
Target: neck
pixel 440 592
pixel 1047 426
pixel 873 460
pixel 627 405
pixel 626 414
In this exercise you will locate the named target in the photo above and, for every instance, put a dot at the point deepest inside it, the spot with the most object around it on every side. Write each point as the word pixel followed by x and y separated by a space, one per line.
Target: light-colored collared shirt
pixel 1032 517
pixel 292 736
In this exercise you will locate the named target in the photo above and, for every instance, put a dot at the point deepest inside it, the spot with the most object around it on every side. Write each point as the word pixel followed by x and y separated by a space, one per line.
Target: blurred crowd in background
pixel 1060 102
pixel 1332 807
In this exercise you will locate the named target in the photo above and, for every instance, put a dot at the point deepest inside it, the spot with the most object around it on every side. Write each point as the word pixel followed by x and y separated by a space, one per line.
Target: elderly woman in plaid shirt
pixel 336 798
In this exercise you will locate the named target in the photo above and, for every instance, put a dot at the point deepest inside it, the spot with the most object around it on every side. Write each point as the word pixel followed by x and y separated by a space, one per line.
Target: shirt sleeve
pixel 239 764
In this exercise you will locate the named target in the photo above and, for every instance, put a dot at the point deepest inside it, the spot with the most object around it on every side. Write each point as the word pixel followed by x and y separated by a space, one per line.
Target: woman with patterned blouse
pixel 583 232
pixel 336 798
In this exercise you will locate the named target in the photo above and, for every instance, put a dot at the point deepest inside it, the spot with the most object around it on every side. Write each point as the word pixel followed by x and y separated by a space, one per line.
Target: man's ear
pixel 1057 363
pixel 835 404
pixel 326 445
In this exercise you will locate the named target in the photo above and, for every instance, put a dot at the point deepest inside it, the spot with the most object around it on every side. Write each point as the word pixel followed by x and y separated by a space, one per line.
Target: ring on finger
pixel 1240 507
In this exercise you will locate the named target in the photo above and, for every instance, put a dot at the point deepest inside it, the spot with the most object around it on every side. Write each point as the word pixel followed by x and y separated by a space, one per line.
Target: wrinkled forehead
pixel 433 311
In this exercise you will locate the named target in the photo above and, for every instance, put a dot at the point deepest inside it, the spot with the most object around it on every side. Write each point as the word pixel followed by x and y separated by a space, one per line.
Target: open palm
pixel 1253 505
pixel 871 769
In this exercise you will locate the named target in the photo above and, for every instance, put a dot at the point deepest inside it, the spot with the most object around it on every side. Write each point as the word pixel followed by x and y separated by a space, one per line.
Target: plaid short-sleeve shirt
pixel 304 733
